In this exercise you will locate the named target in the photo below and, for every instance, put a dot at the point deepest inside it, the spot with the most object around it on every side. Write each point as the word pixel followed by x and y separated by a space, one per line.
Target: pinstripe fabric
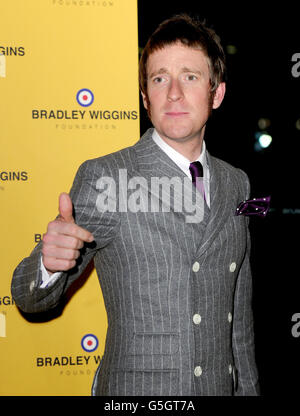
pixel 151 289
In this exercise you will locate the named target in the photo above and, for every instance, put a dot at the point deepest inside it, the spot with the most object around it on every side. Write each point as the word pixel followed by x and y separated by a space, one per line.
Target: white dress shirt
pixel 181 161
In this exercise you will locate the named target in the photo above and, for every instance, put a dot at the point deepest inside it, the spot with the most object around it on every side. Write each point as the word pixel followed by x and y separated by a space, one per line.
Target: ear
pixel 219 95
pixel 145 100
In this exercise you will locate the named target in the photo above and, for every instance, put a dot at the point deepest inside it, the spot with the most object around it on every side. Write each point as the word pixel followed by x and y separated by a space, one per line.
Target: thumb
pixel 65 208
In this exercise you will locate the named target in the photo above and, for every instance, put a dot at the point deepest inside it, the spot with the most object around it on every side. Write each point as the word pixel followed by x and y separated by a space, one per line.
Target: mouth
pixel 176 113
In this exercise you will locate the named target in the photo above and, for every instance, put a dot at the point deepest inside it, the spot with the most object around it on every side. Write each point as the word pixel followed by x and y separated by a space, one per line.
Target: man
pixel 177 292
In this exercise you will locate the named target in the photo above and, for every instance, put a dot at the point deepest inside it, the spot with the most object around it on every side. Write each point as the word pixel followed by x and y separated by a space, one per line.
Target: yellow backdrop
pixel 50 50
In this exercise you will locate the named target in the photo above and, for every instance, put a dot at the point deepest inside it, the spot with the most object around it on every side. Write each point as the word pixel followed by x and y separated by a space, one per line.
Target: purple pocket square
pixel 255 206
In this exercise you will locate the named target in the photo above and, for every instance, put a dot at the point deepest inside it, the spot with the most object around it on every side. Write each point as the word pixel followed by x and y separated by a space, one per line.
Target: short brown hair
pixel 190 32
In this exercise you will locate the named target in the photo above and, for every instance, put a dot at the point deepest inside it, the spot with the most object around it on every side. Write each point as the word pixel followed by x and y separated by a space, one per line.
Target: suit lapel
pixel 221 205
pixel 152 161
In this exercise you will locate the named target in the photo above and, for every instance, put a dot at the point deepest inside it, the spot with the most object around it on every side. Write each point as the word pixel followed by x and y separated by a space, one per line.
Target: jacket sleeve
pixel 245 371
pixel 27 277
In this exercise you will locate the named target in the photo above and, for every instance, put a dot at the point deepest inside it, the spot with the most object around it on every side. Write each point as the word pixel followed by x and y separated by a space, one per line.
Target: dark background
pixel 260 85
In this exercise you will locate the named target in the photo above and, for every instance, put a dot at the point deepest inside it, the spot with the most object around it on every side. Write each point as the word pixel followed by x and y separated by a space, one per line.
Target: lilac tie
pixel 196 170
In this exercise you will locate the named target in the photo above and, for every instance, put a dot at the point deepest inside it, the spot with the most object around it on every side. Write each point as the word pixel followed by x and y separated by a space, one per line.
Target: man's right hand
pixel 63 239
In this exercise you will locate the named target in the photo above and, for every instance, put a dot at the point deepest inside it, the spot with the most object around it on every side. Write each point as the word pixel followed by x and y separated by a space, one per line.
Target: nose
pixel 175 92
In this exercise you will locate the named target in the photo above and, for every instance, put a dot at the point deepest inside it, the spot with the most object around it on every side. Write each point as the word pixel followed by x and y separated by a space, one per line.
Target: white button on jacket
pixel 196 267
pixel 32 285
pixel 198 371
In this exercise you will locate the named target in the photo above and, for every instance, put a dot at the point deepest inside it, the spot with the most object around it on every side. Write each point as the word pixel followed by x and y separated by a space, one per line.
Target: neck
pixel 190 148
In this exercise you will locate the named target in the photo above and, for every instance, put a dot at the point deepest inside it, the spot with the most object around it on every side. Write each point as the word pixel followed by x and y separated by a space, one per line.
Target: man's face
pixel 178 86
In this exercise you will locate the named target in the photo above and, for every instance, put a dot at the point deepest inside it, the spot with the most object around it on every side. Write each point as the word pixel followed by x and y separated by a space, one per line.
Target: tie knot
pixel 196 170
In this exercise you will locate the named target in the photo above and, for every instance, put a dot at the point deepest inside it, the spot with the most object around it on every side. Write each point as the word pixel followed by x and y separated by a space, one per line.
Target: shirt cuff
pixel 48 280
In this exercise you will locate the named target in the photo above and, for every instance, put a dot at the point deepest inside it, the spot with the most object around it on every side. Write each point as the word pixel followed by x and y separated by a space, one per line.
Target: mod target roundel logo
pixel 89 342
pixel 85 97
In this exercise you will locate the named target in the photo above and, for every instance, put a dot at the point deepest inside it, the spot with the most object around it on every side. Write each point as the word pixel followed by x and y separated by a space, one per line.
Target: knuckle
pixel 51 225
pixel 45 251
pixel 45 238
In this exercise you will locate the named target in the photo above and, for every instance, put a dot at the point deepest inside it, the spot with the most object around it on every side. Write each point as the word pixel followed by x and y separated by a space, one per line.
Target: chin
pixel 177 134
pixel 177 128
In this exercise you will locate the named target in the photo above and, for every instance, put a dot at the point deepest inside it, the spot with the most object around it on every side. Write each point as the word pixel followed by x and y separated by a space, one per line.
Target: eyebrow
pixel 165 71
pixel 159 71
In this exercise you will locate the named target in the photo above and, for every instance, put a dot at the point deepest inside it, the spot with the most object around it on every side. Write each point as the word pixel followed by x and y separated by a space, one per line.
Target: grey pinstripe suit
pixel 156 273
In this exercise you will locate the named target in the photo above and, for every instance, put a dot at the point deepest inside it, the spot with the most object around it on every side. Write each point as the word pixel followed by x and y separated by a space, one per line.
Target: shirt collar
pixel 181 161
